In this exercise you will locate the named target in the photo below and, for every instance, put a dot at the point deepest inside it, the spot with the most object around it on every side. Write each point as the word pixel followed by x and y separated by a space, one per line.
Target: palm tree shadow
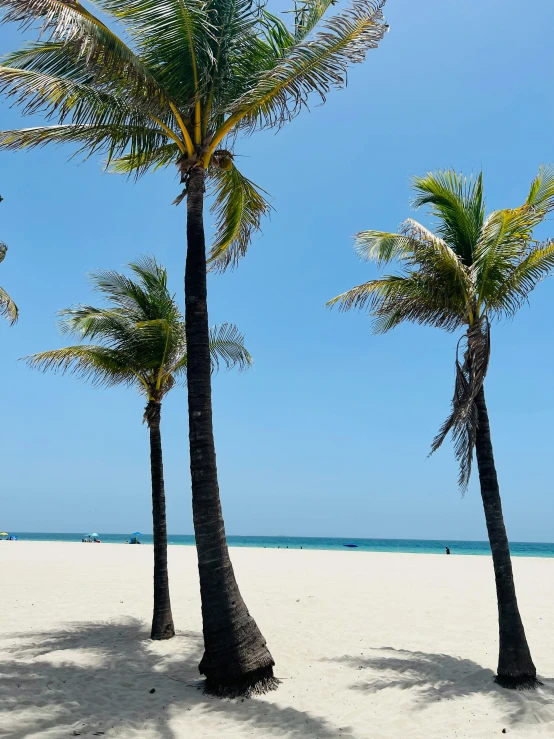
pixel 97 679
pixel 433 677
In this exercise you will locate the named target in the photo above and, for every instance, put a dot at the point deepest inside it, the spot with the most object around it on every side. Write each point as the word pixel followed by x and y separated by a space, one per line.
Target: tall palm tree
pixel 141 344
pixel 472 270
pixel 194 76
pixel 8 308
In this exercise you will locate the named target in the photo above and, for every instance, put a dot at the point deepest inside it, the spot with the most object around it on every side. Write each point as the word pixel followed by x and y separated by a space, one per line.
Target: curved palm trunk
pixel 515 666
pixel 236 659
pixel 162 619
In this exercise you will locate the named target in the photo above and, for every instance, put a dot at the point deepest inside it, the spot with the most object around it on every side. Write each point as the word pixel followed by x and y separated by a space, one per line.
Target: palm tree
pixel 142 344
pixel 8 308
pixel 196 74
pixel 472 270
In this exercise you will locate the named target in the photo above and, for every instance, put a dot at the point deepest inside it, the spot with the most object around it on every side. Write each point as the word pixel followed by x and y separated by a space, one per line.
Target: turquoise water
pixel 423 546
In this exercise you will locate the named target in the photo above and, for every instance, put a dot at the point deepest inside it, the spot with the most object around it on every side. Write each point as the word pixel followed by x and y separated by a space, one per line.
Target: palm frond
pixel 502 244
pixel 172 38
pixel 249 43
pixel 227 347
pixel 57 97
pixel 415 297
pixel 78 29
pixel 313 65
pixel 506 242
pixel 109 325
pixel 276 33
pixel 307 14
pixel 239 206
pixel 457 202
pixel 100 365
pixel 436 279
pixel 246 42
pixel 433 257
pixel 8 309
pixel 142 300
pixel 541 194
pixel 105 139
pixel 144 161
pixel 513 290
pixel 382 247
pixel 152 275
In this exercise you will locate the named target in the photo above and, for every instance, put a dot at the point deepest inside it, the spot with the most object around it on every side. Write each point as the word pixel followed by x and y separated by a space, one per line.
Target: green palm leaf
pixel 107 139
pixel 88 38
pixel 239 206
pixel 457 203
pixel 541 194
pixel 226 347
pixel 58 97
pixel 8 309
pixel 307 14
pixel 102 366
pixel 520 279
pixel 159 156
pixel 382 247
pixel 172 38
pixel 313 65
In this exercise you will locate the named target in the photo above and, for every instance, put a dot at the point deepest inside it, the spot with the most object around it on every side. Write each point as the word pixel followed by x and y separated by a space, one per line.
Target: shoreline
pixel 238 547
pixel 458 548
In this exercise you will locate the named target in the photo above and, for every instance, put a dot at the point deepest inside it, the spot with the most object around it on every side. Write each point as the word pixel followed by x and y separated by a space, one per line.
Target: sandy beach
pixel 368 646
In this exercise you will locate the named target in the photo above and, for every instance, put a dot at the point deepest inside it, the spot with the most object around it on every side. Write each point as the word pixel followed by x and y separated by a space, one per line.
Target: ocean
pixel 412 546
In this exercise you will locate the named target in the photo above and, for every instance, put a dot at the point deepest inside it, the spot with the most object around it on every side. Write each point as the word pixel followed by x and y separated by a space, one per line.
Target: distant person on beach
pixel 447 550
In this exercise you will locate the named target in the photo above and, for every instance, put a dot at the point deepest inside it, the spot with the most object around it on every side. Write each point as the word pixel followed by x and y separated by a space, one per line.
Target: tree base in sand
pixel 255 683
pixel 525 682
pixel 167 633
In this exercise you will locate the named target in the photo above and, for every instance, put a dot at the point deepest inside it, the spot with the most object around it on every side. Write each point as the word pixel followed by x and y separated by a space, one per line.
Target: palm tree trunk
pixel 236 659
pixel 162 619
pixel 515 666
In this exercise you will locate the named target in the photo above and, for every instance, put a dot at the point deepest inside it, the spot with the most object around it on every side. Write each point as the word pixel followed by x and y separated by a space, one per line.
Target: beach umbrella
pixel 3 533
pixel 137 533
pixel 93 534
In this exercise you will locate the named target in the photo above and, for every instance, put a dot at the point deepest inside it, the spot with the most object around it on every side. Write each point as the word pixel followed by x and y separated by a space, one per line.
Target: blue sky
pixel 328 434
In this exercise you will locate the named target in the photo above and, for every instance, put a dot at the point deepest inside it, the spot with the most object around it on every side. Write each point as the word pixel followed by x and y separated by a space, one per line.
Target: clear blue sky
pixel 328 434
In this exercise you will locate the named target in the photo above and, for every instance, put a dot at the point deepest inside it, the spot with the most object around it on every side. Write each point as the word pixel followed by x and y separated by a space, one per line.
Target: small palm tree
pixel 142 344
pixel 8 308
pixel 474 269
pixel 194 76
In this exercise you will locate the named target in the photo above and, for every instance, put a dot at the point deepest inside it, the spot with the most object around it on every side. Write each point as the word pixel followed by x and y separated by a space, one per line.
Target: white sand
pixel 369 646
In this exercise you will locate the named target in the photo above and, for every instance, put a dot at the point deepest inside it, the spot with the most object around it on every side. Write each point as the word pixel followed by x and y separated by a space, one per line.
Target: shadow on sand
pixel 96 679
pixel 432 677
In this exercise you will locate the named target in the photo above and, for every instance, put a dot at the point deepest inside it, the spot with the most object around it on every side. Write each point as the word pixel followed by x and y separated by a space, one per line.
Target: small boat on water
pixel 350 546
